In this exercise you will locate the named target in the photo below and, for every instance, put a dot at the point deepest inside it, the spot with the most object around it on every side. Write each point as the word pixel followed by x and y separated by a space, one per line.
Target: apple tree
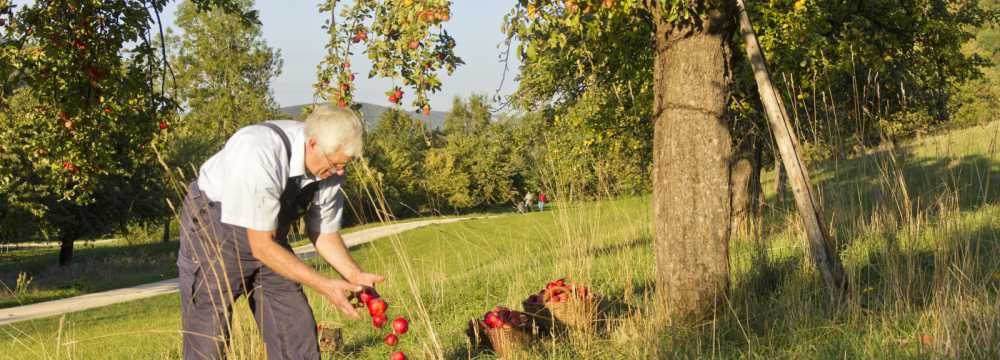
pixel 691 149
pixel 80 113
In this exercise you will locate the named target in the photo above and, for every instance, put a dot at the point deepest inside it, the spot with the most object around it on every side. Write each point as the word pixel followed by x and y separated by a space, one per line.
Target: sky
pixel 295 28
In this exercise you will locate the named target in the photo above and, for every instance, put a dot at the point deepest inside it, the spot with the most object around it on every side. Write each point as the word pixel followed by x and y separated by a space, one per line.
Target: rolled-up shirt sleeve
pixel 254 200
pixel 327 212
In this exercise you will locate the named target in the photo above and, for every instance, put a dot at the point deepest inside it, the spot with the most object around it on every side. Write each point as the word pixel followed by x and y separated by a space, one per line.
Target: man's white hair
pixel 335 129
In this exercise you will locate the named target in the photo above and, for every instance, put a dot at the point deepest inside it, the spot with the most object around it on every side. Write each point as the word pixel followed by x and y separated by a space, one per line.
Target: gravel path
pixel 89 301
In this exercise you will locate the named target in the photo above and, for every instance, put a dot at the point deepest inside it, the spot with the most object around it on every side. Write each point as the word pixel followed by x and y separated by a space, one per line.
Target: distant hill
pixel 371 113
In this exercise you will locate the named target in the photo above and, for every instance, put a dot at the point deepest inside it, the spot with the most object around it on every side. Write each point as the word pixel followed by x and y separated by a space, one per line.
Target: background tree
pixel 395 149
pixel 81 111
pixel 224 70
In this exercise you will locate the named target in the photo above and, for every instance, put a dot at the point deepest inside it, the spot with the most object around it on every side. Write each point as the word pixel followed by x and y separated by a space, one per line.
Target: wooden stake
pixel 826 258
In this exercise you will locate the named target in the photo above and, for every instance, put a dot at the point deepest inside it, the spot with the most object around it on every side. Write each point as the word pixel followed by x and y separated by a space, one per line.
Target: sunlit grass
pixel 916 226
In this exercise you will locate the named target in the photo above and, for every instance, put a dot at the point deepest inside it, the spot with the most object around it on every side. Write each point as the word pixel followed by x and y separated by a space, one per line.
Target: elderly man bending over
pixel 234 233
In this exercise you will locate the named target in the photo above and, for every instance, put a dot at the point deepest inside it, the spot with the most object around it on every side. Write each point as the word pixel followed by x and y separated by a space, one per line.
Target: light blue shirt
pixel 249 174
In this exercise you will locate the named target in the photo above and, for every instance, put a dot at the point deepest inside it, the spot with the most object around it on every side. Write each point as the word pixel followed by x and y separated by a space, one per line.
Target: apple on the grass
pixel 398 356
pixel 400 325
pixel 391 339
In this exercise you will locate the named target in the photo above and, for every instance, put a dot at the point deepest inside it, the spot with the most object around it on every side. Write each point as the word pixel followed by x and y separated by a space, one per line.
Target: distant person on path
pixel 541 201
pixel 529 200
pixel 234 234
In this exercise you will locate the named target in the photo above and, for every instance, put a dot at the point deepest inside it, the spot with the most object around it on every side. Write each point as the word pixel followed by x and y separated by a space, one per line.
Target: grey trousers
pixel 216 268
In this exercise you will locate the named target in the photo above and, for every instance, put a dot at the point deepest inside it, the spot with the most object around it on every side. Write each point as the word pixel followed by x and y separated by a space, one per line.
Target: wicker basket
pixel 330 339
pixel 579 313
pixel 505 342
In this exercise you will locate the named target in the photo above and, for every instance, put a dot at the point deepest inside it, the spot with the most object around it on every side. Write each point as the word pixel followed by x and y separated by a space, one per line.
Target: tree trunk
pixel 66 249
pixel 746 191
pixel 166 228
pixel 691 155
pixel 756 190
pixel 780 181
pixel 739 178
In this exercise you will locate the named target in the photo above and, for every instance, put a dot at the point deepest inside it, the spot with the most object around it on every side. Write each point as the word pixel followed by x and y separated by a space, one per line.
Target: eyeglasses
pixel 332 166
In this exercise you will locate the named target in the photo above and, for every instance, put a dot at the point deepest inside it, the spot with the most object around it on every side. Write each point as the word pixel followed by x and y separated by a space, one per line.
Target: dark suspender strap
pixel 284 138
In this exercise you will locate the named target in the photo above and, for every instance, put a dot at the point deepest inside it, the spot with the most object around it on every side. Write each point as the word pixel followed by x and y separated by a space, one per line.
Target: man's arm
pixel 264 248
pixel 332 248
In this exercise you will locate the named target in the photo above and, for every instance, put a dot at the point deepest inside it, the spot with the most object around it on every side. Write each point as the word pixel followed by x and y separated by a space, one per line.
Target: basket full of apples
pixel 504 330
pixel 563 302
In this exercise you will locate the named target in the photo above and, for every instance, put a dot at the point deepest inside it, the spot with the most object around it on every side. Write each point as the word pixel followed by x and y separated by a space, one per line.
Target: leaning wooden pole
pixel 823 253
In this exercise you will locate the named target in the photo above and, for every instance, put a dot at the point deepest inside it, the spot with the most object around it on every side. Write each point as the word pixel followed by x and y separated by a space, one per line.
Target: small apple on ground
pixel 391 340
pixel 400 325
pixel 398 356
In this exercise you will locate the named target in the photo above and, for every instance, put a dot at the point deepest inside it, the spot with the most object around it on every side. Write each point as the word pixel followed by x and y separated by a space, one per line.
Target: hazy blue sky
pixel 295 27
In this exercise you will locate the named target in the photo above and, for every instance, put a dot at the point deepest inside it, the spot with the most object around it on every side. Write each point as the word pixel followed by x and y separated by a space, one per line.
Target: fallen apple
pixel 400 325
pixel 391 339
pixel 397 356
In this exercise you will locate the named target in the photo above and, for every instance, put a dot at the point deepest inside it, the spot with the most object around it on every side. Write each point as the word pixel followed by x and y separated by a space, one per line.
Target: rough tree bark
pixel 691 154
pixel 744 180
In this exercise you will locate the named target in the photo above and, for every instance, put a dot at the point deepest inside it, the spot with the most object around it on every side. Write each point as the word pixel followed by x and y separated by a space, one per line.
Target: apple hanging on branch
pixel 405 41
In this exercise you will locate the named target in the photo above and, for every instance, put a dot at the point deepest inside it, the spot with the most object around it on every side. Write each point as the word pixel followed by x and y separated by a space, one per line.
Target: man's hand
pixel 335 291
pixel 366 279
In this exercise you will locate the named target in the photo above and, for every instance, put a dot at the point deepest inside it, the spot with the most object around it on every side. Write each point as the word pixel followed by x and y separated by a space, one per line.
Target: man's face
pixel 322 165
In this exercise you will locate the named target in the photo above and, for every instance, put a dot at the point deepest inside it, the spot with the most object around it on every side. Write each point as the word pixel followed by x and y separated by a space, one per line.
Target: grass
pixel 916 228
pixel 98 266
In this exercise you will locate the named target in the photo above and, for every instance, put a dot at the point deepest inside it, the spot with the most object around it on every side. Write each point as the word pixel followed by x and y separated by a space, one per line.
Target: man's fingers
pixel 351 287
pixel 347 309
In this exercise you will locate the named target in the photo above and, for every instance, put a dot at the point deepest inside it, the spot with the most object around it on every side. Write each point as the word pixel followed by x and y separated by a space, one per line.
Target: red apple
pixel 79 44
pixel 493 320
pixel 398 94
pixel 379 320
pixel 359 37
pixel 400 325
pixel 414 44
pixel 397 356
pixel 377 307
pixel 341 103
pixel 163 125
pixel 427 110
pixel 391 340
pixel 365 297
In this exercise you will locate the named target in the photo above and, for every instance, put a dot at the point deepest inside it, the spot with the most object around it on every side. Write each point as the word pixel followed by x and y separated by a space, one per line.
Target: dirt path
pixel 89 301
